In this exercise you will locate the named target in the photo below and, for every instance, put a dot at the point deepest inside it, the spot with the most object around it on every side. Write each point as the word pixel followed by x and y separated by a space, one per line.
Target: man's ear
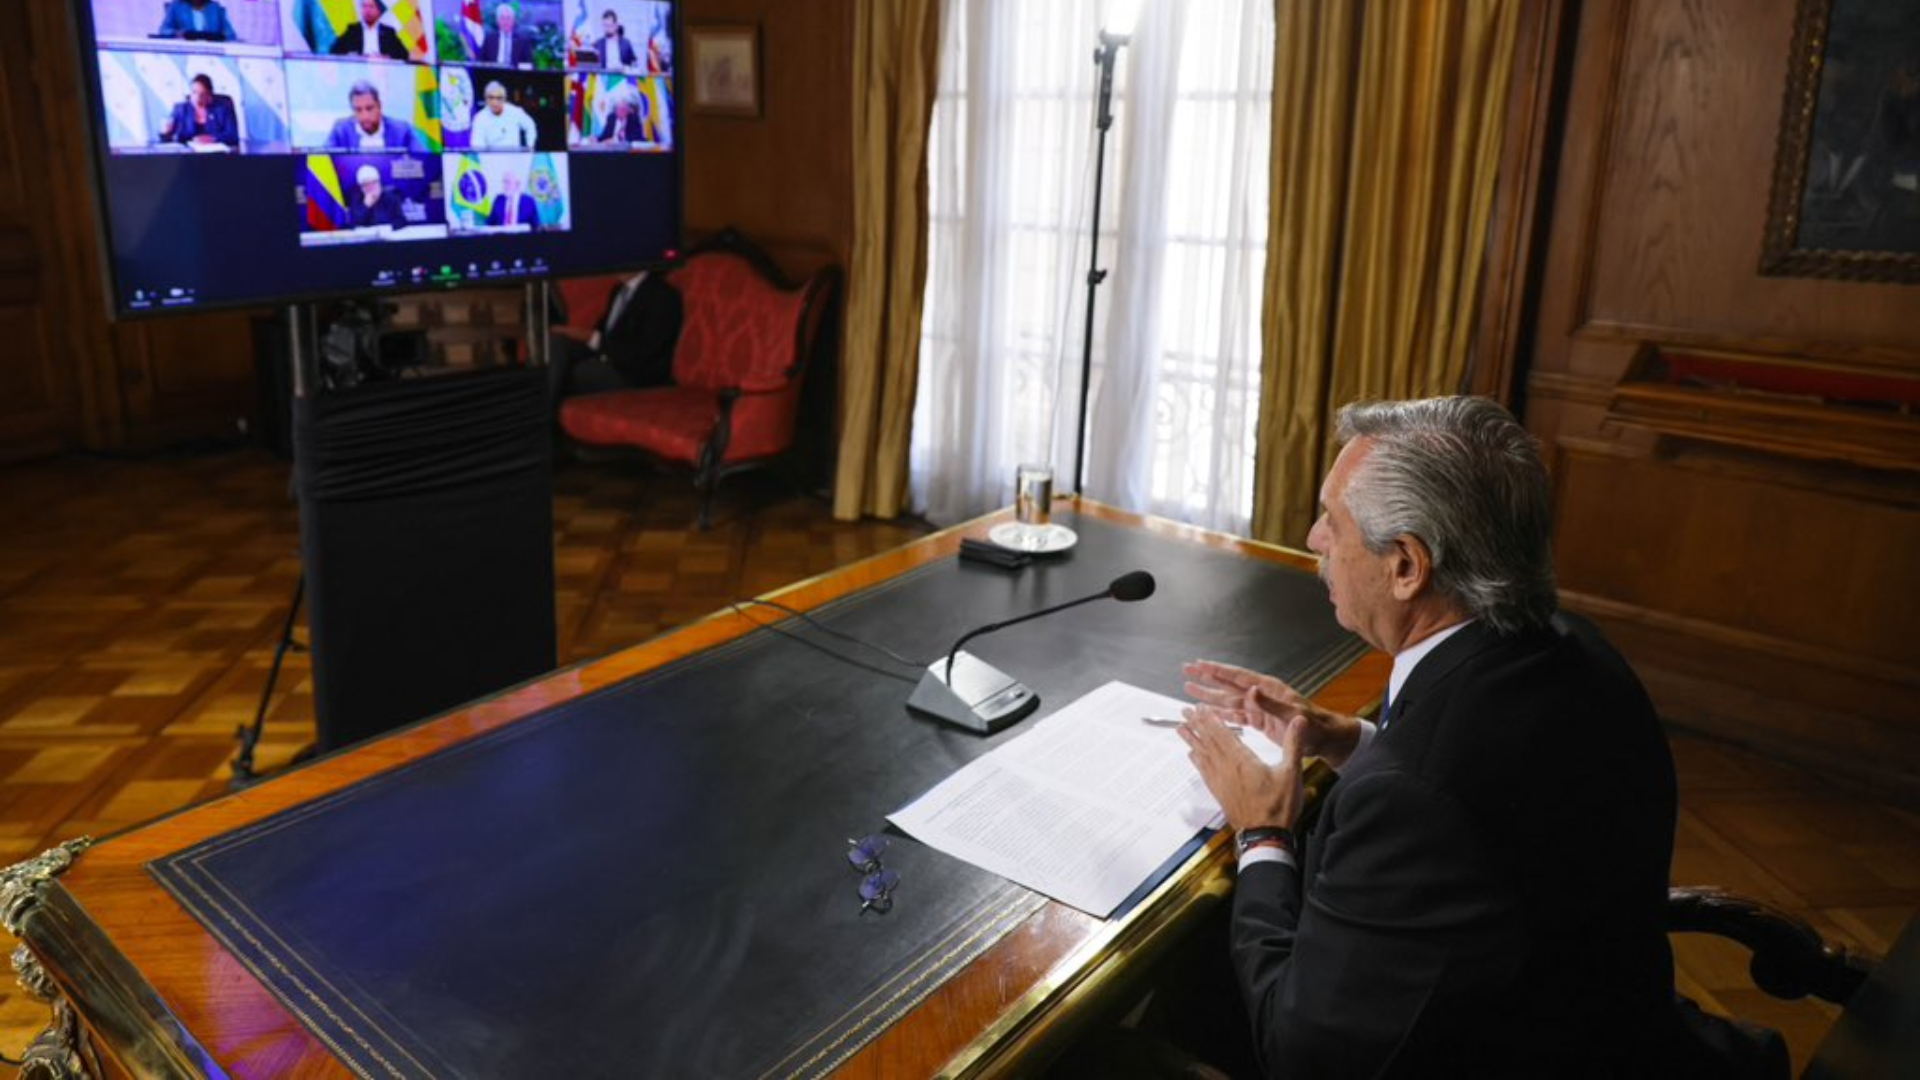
pixel 1411 567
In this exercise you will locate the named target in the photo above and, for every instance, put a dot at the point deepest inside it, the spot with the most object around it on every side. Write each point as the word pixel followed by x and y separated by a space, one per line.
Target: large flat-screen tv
pixel 264 151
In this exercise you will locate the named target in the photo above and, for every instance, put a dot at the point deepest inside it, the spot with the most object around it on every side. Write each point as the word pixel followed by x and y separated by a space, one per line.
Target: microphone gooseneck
pixel 1128 587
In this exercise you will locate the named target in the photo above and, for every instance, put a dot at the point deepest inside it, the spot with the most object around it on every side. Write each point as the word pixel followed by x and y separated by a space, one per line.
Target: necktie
pixel 1386 712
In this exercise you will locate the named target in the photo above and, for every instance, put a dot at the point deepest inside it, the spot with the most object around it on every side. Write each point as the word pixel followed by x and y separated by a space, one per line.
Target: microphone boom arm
pixel 1003 624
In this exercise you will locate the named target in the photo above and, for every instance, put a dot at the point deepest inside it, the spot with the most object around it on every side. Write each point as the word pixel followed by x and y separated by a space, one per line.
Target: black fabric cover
pixel 651 880
pixel 426 529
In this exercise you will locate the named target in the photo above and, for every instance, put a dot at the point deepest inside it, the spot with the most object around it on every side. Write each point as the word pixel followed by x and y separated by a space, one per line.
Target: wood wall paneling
pixel 785 178
pixel 1765 592
pixel 36 413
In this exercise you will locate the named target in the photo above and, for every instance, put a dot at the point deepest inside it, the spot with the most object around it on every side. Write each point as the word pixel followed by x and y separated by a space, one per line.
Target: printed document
pixel 1083 807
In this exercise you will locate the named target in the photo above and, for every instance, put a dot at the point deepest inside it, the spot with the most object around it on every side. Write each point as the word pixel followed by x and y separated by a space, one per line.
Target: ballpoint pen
pixel 1174 721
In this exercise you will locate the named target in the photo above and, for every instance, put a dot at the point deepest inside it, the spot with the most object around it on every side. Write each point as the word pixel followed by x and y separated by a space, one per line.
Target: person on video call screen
pixel 502 125
pixel 370 128
pixel 376 204
pixel 369 37
pixel 205 118
pixel 196 20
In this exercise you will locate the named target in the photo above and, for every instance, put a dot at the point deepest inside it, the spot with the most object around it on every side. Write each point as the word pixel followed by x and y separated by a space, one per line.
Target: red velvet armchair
pixel 734 402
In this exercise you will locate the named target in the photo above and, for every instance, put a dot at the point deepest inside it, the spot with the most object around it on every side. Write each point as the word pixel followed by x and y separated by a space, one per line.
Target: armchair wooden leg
pixel 709 480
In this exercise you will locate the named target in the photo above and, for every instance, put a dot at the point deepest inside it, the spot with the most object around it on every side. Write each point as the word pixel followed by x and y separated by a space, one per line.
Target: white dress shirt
pixel 370 39
pixel 505 131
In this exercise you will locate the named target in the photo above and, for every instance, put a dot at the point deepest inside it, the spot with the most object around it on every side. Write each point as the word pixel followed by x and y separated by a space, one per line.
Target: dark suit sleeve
pixel 1404 903
pixel 346 42
pixel 390 44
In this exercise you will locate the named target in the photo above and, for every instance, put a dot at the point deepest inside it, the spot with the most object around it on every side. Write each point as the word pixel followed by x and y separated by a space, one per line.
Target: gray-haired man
pixel 1483 891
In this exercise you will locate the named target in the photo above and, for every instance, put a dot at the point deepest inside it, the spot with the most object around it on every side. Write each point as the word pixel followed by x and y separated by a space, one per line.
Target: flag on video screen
pixel 583 106
pixel 577 37
pixel 326 207
pixel 426 109
pixel 320 21
pixel 545 187
pixel 405 16
pixel 471 192
pixel 475 29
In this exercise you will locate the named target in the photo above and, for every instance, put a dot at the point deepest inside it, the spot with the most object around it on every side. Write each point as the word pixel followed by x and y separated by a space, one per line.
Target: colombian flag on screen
pixel 326 206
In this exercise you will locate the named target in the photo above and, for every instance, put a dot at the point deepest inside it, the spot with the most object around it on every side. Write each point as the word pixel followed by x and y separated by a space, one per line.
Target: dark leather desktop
pixel 668 855
pixel 651 878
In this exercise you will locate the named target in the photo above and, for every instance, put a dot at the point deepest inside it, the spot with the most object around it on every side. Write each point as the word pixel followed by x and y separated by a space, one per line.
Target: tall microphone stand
pixel 1105 55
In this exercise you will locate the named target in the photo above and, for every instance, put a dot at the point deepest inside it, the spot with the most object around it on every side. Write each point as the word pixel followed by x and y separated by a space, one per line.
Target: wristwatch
pixel 1264 836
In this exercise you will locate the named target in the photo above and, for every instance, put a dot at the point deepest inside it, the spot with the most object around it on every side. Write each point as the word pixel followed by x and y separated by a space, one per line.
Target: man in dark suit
pixel 511 206
pixel 205 118
pixel 199 20
pixel 1482 893
pixel 627 121
pixel 506 45
pixel 355 39
pixel 377 204
pixel 613 48
pixel 370 128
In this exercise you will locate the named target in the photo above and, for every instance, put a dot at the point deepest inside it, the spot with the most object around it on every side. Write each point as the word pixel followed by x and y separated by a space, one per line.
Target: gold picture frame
pixel 1846 177
pixel 724 70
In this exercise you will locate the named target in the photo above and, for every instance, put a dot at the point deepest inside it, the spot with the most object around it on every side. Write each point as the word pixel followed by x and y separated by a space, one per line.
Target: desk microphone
pixel 966 691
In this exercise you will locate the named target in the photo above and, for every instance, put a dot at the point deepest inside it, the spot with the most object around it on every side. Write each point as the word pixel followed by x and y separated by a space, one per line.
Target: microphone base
pixel 982 699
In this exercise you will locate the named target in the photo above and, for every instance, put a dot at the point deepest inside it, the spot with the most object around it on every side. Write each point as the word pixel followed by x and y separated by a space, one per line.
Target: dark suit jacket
pixel 385 211
pixel 354 39
pixel 222 123
pixel 394 135
pixel 1483 891
pixel 529 212
pixel 522 47
pixel 630 131
pixel 612 49
pixel 178 20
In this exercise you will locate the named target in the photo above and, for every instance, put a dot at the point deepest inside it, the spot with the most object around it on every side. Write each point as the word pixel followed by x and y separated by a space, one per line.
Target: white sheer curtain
pixel 1183 224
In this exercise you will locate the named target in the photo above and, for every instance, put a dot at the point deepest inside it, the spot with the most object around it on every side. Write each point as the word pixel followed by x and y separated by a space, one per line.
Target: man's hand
pixel 1237 696
pixel 1250 791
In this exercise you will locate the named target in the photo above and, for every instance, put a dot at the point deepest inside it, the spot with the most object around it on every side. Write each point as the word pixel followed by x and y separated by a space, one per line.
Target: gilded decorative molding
pixel 60 1052
pixel 20 884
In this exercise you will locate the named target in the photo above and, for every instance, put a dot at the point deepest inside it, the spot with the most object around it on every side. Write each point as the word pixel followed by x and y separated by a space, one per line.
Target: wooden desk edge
pixel 132 1021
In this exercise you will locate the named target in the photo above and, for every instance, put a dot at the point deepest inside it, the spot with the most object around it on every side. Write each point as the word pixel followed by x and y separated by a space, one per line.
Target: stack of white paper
pixel 1081 808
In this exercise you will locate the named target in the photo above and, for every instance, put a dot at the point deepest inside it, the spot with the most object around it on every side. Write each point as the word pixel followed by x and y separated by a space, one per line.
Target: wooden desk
pixel 154 987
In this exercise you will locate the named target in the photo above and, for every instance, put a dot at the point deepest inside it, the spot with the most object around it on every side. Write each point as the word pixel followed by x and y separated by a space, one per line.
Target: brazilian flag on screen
pixel 471 192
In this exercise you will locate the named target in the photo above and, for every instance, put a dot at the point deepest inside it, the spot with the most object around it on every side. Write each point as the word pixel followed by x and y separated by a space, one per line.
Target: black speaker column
pixel 426 530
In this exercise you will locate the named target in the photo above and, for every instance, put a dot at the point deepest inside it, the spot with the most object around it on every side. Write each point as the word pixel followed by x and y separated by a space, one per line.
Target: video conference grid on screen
pixel 397 120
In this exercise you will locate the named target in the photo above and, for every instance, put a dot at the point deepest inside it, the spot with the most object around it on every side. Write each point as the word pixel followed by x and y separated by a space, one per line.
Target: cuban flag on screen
pixel 476 30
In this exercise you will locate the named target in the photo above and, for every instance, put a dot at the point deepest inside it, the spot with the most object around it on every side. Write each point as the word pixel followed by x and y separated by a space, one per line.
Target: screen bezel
pixel 98 152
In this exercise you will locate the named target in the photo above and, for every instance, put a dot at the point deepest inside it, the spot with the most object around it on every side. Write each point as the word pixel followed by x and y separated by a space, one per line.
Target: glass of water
pixel 1033 502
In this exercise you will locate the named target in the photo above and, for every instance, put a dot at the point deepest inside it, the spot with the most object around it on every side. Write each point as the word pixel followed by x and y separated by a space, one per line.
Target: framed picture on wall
pixel 1846 177
pixel 725 66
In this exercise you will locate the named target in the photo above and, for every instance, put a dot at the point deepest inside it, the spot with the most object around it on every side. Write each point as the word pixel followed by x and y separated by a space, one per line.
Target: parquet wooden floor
pixel 140 601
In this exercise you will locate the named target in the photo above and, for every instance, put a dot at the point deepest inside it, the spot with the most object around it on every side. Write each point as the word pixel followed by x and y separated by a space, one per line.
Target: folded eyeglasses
pixel 878 883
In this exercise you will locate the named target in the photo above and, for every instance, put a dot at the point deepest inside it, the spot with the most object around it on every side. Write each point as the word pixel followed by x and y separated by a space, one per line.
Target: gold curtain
pixel 1387 126
pixel 896 71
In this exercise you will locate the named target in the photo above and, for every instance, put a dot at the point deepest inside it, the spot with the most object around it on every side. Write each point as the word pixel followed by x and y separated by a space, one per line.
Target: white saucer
pixel 1033 539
